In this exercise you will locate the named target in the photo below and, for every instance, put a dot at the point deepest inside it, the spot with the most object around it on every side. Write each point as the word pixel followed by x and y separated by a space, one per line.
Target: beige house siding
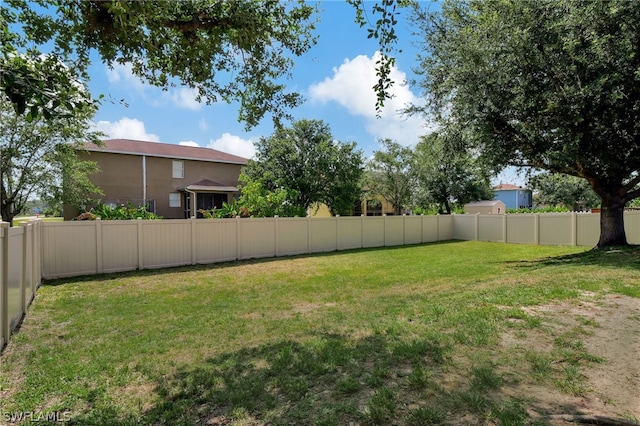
pixel 140 178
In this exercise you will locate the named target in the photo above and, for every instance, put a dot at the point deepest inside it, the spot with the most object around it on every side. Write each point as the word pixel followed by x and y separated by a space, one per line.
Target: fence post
pixel 536 229
pixel 477 230
pixel 238 238
pixel 4 286
pixel 361 231
pixel 309 234
pixel 384 229
pixel 99 264
pixel 194 236
pixel 404 229
pixel 35 248
pixel 140 244
pixel 275 236
pixel 574 228
pixel 25 254
pixel 337 232
pixel 504 227
pixel 438 227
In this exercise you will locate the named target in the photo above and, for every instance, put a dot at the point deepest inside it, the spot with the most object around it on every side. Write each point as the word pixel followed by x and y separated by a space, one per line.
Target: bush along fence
pixel 20 273
pixel 63 249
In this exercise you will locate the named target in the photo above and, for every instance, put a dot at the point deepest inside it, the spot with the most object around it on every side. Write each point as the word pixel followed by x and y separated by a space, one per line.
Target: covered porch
pixel 206 195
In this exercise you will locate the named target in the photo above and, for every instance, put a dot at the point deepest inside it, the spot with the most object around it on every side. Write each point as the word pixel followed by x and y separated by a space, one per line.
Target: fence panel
pixel 4 317
pixel 165 243
pixel 522 228
pixel 257 238
pixel 556 229
pixel 293 236
pixel 632 226
pixel 16 279
pixel 588 229
pixel 118 244
pixel 394 230
pixel 216 240
pixel 69 249
pixel 491 228
pixel 431 228
pixel 349 232
pixel 324 236
pixel 28 285
pixel 374 232
pixel 412 229
pixel 445 227
pixel 464 226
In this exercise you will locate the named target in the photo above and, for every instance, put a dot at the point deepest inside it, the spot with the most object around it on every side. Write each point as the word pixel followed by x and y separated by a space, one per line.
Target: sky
pixel 335 77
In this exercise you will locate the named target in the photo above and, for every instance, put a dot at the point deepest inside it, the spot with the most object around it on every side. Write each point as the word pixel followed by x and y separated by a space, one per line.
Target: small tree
pixel 390 176
pixel 448 174
pixel 38 159
pixel 303 165
pixel 557 189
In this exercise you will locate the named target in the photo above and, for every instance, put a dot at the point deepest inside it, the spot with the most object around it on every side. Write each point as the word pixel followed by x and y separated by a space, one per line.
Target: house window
pixel 178 169
pixel 174 199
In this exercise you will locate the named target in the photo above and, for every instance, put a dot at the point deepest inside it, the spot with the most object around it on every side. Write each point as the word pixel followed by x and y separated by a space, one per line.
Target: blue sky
pixel 336 78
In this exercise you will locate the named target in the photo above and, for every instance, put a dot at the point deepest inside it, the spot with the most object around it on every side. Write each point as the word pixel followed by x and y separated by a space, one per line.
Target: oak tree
pixel 548 84
pixel 306 165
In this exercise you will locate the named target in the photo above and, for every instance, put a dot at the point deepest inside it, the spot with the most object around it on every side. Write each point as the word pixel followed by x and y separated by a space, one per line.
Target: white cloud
pixel 203 124
pixel 351 86
pixel 184 98
pixel 122 76
pixel 126 128
pixel 233 145
pixel 189 143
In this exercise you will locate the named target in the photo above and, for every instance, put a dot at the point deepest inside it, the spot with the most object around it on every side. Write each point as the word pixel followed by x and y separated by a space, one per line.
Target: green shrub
pixel 123 212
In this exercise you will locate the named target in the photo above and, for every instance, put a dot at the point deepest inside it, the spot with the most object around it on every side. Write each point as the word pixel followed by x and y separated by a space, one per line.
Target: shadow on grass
pixel 330 380
pixel 627 257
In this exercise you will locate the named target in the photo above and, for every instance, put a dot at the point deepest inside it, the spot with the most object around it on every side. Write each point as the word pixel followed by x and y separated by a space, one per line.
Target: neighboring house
pixel 368 207
pixel 513 197
pixel 174 181
pixel 485 207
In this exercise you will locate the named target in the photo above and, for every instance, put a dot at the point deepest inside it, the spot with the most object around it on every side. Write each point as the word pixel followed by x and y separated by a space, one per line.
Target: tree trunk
pixel 612 223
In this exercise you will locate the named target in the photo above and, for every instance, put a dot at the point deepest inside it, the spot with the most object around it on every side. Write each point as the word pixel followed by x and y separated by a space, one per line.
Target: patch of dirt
pixel 609 328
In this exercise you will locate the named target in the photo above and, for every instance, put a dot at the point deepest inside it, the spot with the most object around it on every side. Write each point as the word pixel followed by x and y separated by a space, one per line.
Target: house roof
pixel 157 149
pixel 484 203
pixel 507 187
pixel 209 185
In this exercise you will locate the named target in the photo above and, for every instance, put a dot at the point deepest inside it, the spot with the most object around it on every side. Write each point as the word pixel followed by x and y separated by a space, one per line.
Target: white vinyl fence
pixel 95 247
pixel 62 249
pixel 20 273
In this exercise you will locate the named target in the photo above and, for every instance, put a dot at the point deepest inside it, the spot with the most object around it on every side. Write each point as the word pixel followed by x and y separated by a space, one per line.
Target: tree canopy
pixel 302 165
pixel 390 175
pixel 550 84
pixel 556 189
pixel 446 176
pixel 234 50
pixel 38 160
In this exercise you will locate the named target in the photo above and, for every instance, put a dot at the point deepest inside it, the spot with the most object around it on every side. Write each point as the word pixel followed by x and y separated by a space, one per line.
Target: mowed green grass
pixel 405 336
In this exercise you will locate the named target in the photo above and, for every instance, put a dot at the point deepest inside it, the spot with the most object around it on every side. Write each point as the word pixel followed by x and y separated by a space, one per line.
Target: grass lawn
pixel 17 221
pixel 404 336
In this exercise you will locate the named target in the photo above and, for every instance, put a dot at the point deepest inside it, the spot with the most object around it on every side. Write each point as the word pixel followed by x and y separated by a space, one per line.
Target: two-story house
pixel 175 181
pixel 513 196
